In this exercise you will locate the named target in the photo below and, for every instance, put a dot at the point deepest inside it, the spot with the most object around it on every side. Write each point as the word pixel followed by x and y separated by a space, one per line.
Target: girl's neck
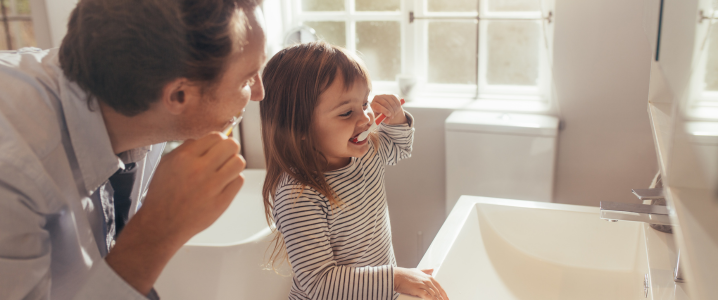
pixel 336 163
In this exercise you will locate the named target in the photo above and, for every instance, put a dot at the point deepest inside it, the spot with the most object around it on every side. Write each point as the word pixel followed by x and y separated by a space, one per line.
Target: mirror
pixel 684 116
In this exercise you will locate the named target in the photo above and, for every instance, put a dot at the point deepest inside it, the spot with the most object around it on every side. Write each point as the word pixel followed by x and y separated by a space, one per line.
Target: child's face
pixel 339 116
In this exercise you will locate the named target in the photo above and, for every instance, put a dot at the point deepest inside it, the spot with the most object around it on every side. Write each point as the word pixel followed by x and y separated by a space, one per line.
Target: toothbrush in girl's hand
pixel 379 118
pixel 236 119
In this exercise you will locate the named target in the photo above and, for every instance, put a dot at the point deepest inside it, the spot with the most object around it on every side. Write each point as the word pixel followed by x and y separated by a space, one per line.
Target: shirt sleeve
pixel 24 249
pixel 104 283
pixel 25 254
pixel 395 141
pixel 302 221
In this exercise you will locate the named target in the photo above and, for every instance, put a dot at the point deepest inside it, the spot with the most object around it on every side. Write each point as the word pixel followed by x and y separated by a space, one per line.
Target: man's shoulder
pixel 28 105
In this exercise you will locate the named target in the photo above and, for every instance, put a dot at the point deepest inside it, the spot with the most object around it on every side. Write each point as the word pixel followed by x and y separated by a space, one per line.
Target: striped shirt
pixel 344 253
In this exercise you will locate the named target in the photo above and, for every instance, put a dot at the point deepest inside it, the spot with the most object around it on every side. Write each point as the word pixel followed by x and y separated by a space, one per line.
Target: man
pixel 82 129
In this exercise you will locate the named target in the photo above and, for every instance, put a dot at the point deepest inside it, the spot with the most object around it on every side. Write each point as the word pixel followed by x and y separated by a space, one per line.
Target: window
pixel 494 50
pixel 16 30
pixel 705 82
pixel 370 27
pixel 703 91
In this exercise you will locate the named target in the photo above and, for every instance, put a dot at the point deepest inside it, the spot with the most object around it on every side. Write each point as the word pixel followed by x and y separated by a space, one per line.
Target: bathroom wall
pixel 49 19
pixel 601 71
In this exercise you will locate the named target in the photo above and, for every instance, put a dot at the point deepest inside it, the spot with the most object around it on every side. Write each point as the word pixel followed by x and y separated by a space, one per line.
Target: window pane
pixel 21 35
pixel 323 5
pixel 379 43
pixel 332 32
pixel 23 7
pixel 452 52
pixel 377 5
pixel 514 5
pixel 513 52
pixel 712 60
pixel 452 5
pixel 3 39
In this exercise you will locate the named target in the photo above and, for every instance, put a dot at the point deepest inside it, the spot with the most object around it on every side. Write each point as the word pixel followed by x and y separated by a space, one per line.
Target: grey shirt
pixel 55 160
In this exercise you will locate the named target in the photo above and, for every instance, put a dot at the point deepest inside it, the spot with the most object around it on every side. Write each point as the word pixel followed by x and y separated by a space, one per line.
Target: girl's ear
pixel 179 94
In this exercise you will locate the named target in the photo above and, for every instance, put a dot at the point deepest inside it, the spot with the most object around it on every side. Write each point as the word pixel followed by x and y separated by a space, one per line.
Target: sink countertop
pixel 661 253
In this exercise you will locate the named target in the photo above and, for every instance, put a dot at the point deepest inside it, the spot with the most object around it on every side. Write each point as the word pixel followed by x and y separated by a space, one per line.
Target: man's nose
pixel 257 89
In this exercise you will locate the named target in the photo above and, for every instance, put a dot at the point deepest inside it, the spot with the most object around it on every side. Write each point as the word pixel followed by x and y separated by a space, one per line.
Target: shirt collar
pixel 90 141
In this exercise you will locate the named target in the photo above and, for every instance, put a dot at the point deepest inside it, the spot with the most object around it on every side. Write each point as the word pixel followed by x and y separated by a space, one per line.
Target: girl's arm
pixel 395 141
pixel 303 224
pixel 396 133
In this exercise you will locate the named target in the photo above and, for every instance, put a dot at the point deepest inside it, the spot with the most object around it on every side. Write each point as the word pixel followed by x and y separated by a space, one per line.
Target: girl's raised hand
pixel 390 106
pixel 418 283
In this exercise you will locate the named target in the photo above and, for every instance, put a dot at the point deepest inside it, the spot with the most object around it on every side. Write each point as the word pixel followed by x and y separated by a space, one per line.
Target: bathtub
pixel 225 261
pixel 502 249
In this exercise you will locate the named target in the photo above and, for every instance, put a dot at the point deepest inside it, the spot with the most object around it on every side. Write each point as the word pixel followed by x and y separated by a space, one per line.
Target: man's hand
pixel 192 186
pixel 390 106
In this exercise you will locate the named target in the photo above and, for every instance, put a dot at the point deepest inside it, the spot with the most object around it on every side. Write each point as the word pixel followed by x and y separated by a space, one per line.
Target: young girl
pixel 324 191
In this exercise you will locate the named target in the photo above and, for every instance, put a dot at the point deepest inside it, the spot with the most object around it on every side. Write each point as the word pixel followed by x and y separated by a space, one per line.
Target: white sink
pixel 225 261
pixel 500 249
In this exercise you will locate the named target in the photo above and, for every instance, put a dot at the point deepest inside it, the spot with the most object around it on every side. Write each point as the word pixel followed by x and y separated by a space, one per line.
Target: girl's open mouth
pixel 355 141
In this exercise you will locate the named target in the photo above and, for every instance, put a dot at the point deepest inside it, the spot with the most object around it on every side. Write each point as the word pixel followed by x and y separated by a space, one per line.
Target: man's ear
pixel 179 94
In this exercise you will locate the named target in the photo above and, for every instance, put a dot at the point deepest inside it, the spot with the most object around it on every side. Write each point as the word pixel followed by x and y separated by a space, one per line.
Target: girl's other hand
pixel 418 283
pixel 389 105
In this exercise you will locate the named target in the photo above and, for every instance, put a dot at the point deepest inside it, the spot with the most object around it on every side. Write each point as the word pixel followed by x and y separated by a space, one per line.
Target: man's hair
pixel 123 52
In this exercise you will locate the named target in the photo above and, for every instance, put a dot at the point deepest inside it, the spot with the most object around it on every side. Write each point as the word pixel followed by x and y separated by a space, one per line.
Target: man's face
pixel 240 83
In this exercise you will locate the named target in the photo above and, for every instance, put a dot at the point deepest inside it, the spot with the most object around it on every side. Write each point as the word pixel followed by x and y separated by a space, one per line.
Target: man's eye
pixel 346 114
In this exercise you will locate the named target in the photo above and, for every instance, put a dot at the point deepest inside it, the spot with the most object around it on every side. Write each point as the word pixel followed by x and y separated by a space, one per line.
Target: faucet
pixel 651 214
pixel 656 215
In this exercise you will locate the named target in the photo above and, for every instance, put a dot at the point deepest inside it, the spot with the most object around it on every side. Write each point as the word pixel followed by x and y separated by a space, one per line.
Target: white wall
pixel 601 73
pixel 49 19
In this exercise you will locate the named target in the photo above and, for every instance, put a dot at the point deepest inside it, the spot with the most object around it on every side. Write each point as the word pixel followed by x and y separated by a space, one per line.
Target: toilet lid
pixel 493 122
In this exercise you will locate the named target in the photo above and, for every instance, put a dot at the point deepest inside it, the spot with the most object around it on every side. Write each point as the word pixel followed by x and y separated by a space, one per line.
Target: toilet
pixel 500 155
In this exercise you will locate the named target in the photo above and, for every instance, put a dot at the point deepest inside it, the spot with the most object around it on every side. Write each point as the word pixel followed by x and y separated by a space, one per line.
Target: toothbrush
pixel 236 119
pixel 380 118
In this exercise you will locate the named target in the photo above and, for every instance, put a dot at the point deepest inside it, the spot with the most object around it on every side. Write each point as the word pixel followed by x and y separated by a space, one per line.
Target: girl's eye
pixel 346 114
pixel 365 105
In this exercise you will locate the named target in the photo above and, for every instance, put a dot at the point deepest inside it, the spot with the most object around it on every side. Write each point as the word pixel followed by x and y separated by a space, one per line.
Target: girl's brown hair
pixel 293 80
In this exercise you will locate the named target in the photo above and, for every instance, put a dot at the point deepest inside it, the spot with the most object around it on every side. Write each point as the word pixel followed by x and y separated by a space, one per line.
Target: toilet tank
pixel 501 155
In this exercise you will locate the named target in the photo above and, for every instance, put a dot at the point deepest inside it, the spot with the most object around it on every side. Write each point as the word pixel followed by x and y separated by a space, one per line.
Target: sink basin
pixel 225 261
pixel 497 249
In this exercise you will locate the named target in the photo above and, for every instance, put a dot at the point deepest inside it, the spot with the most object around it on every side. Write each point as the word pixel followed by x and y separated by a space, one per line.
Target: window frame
pixel 414 49
pixel 350 16
pixel 13 18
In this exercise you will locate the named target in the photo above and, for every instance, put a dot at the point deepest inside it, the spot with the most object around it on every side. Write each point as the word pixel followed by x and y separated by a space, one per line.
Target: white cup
pixel 407 83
